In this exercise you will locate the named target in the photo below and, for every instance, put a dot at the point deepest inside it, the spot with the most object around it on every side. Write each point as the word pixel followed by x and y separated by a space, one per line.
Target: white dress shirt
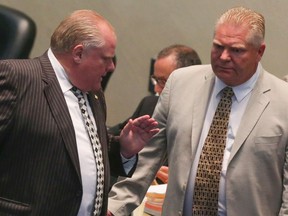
pixel 85 151
pixel 240 100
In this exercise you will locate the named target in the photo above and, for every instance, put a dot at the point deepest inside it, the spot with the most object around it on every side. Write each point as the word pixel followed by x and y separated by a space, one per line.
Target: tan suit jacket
pixel 257 173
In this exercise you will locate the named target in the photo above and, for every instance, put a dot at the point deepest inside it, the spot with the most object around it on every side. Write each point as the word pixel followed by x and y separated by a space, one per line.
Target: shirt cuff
pixel 128 164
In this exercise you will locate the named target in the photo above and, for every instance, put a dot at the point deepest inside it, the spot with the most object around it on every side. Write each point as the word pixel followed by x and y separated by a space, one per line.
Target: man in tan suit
pixel 254 174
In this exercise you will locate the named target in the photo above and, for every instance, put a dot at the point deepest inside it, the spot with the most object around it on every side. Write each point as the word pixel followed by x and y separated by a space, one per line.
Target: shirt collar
pixel 240 91
pixel 60 72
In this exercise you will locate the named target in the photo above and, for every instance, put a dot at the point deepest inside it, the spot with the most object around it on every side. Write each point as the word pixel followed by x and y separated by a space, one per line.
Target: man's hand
pixel 136 134
pixel 109 213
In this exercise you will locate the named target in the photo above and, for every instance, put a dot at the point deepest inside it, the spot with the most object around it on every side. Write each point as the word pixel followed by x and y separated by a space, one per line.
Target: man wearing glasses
pixel 168 59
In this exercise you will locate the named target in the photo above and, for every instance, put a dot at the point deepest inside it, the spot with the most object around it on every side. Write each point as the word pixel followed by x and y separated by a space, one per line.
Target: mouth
pixel 102 77
pixel 225 69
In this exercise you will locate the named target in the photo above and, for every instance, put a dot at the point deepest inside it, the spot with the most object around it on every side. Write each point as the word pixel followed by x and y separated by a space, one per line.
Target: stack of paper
pixel 154 199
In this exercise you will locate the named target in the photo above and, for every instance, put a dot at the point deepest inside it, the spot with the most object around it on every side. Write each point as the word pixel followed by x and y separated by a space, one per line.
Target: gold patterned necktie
pixel 205 199
pixel 96 146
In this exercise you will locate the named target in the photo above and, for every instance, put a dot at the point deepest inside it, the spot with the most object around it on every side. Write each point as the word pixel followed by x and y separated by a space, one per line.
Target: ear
pixel 77 53
pixel 261 51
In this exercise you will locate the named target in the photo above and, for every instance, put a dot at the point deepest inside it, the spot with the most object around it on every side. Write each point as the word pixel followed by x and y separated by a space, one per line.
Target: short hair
pixel 244 16
pixel 81 27
pixel 184 55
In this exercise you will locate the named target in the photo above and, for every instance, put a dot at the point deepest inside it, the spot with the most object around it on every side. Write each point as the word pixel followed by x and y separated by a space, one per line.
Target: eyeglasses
pixel 158 81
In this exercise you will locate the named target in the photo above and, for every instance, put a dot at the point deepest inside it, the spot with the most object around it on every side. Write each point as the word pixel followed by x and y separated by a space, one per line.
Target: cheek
pixel 95 69
pixel 241 63
pixel 214 55
pixel 158 89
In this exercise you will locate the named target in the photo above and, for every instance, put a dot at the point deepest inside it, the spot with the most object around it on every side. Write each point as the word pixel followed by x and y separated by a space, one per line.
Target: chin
pixel 226 78
pixel 97 88
pixel 222 76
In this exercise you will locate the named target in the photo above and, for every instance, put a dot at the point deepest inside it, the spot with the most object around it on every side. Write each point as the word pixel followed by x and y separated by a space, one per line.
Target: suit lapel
pixel 59 110
pixel 99 113
pixel 255 107
pixel 199 110
pixel 98 107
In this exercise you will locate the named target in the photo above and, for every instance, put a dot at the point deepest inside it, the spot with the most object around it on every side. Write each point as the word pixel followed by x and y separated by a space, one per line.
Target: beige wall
pixel 146 26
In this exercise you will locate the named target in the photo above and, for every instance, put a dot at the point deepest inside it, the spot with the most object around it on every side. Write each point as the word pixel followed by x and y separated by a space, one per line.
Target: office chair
pixel 17 34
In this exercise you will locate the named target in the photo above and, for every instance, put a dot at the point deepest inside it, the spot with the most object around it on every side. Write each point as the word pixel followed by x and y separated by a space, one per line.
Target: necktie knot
pixel 77 92
pixel 227 92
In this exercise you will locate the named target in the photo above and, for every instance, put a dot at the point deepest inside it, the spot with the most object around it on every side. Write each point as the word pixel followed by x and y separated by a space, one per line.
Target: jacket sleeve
pixel 112 142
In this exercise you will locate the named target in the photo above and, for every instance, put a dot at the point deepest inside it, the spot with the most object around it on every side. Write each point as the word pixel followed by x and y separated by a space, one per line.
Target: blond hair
pixel 81 27
pixel 244 16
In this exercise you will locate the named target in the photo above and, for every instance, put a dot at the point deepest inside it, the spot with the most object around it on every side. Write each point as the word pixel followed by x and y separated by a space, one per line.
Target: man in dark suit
pixel 47 163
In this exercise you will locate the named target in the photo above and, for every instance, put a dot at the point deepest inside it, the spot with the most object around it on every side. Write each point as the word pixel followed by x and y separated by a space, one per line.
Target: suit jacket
pixel 145 107
pixel 257 172
pixel 39 165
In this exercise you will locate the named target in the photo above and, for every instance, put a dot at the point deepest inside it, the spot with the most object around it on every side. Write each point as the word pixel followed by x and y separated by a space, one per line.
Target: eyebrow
pixel 236 45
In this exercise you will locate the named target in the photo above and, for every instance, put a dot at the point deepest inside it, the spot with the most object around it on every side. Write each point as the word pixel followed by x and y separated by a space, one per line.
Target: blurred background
pixel 145 27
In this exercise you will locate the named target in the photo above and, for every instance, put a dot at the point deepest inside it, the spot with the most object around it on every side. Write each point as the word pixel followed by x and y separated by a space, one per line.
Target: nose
pixel 157 89
pixel 111 67
pixel 225 55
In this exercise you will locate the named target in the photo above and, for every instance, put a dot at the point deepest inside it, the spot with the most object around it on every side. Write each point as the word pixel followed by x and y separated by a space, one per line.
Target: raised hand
pixel 136 134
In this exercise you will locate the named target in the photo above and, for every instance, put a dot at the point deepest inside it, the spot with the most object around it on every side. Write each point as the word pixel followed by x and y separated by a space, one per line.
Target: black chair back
pixel 17 34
